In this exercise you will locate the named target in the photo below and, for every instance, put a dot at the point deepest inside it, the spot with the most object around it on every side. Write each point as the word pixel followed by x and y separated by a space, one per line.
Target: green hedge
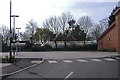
pixel 44 48
pixel 47 47
pixel 89 47
pixel 5 48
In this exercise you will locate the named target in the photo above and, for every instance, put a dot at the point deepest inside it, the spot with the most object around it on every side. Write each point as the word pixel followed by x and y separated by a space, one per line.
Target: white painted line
pixel 52 61
pixel 67 61
pixel 35 61
pixel 68 75
pixel 97 60
pixel 117 58
pixel 109 59
pixel 81 60
pixel 23 69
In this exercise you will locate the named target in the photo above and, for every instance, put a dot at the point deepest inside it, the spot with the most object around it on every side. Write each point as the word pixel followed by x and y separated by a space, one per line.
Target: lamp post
pixel 18 35
pixel 14 37
pixel 11 35
pixel 14 24
pixel 10 32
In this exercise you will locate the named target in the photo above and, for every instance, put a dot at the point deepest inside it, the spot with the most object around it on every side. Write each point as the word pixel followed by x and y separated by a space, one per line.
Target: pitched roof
pixel 107 30
pixel 118 9
pixel 111 26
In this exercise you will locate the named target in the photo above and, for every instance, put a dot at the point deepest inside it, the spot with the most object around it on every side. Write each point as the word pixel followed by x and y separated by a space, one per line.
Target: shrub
pixel 92 47
pixel 108 50
pixel 36 48
pixel 7 58
pixel 47 47
pixel 28 46
pixel 5 47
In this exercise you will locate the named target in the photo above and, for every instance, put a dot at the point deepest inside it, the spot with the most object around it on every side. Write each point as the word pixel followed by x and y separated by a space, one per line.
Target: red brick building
pixel 110 39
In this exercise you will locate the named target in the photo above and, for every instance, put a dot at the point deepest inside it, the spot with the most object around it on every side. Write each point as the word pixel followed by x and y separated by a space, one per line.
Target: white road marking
pixel 97 60
pixel 117 58
pixel 81 60
pixel 35 61
pixel 52 61
pixel 68 75
pixel 67 61
pixel 23 69
pixel 109 59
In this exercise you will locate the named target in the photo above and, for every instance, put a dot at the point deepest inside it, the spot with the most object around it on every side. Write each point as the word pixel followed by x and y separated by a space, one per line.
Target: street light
pixel 18 36
pixel 10 32
pixel 14 24
pixel 14 37
pixel 11 35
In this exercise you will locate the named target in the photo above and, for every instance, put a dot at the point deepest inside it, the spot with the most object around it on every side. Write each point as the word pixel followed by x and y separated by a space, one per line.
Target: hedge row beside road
pixel 32 47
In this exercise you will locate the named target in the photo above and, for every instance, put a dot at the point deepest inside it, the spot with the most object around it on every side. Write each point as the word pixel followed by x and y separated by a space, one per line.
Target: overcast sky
pixel 39 10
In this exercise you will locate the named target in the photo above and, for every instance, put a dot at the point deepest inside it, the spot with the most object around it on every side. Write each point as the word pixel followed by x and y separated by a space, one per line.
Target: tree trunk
pixel 65 45
pixel 84 42
pixel 55 44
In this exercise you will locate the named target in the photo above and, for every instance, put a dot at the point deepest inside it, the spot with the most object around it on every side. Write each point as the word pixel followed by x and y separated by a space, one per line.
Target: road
pixel 73 68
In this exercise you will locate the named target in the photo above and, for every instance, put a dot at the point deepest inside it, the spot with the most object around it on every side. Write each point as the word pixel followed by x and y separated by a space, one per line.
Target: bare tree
pixel 86 23
pixel 58 24
pixel 104 23
pixel 64 19
pixel 30 29
pixel 5 32
pixel 97 30
pixel 24 36
pixel 52 24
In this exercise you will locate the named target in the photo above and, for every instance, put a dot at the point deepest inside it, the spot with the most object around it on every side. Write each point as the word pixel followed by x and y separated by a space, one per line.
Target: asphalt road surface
pixel 73 68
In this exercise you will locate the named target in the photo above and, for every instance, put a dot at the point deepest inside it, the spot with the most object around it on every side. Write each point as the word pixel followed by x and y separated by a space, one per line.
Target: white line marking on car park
pixel 52 61
pixel 68 75
pixel 117 58
pixel 97 60
pixel 67 61
pixel 35 61
pixel 23 69
pixel 81 60
pixel 109 59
